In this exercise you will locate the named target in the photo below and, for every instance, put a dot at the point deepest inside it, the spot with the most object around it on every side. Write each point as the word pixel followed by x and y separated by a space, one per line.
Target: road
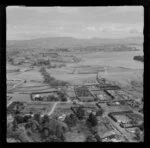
pixel 9 103
pixel 51 111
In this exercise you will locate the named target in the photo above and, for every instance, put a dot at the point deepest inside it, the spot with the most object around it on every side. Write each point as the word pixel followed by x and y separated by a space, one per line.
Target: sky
pixel 78 22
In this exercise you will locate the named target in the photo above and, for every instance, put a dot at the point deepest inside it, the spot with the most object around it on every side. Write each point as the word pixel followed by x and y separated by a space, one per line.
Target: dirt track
pixel 54 106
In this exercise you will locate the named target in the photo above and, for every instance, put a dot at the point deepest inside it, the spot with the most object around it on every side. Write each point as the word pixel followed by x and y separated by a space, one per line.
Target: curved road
pixel 51 111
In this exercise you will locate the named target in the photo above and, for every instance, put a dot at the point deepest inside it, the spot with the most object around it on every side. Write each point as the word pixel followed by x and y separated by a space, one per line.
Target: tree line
pixel 48 79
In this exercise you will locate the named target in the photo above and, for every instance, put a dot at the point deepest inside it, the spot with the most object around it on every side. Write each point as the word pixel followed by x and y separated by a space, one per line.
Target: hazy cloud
pixel 135 31
pixel 67 10
pixel 90 28
pixel 85 22
pixel 130 9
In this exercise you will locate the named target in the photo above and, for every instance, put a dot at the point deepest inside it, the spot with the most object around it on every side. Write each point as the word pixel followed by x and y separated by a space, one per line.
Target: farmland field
pixel 70 70
pixel 38 108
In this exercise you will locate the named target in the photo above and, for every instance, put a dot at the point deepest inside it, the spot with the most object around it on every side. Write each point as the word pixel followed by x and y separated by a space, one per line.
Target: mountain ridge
pixel 69 42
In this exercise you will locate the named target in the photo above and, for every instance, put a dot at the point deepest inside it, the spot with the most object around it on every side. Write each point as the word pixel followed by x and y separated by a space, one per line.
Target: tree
pixel 139 58
pixel 71 120
pixel 53 138
pixel 142 99
pixel 80 112
pixel 100 112
pixel 98 138
pixel 63 138
pixel 30 112
pixel 45 133
pixel 18 108
pixel 29 133
pixel 92 119
pixel 26 118
pixel 141 126
pixel 17 112
pixel 62 96
pixel 10 60
pixel 27 126
pixel 64 99
pixel 137 134
pixel 14 125
pixel 91 138
pixel 45 119
pixel 21 134
pixel 33 125
pixel 56 130
pixel 37 117
pixel 19 119
pixel 133 122
pixel 59 131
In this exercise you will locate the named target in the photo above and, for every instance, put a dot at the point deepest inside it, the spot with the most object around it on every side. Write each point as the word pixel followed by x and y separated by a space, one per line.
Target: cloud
pixel 90 28
pixel 67 10
pixel 74 21
pixel 55 9
pixel 105 30
pixel 43 9
pixel 14 7
pixel 129 9
pixel 134 31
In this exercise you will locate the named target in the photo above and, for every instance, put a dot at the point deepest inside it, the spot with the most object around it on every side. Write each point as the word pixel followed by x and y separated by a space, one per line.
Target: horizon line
pixel 80 38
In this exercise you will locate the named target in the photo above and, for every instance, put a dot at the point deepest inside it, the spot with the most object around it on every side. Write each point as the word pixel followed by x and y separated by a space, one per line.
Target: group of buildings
pixel 108 96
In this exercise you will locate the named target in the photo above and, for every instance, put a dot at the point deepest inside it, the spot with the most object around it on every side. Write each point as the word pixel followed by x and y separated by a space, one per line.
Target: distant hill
pixel 68 42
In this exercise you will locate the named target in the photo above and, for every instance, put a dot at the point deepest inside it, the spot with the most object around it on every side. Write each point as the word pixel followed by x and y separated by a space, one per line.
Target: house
pixel 114 138
pixel 10 118
pixel 131 130
pixel 62 117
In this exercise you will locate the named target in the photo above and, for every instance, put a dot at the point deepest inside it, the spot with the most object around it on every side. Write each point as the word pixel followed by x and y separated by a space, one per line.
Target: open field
pixel 118 67
pixel 78 133
pixel 32 88
pixel 71 78
pixel 114 108
pixel 114 59
pixel 122 72
pixel 29 75
pixel 20 97
pixel 33 74
pixel 38 107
